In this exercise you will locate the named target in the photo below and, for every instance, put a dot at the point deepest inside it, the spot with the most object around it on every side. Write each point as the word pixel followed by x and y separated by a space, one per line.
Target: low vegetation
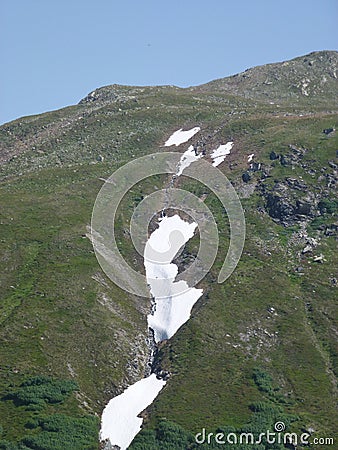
pixel 258 348
pixel 39 400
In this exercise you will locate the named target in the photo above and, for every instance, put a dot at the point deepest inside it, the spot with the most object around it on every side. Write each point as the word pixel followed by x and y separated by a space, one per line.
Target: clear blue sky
pixel 54 52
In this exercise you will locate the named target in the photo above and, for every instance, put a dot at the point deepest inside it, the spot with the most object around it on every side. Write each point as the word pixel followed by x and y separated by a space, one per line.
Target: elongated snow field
pixel 187 158
pixel 172 302
pixel 120 423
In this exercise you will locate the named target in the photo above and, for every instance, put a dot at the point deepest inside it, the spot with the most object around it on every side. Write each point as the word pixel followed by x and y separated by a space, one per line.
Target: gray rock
pixel 246 177
pixel 279 207
pixel 255 166
pixel 328 131
pixel 303 208
pixel 331 230
pixel 285 160
pixel 294 183
pixel 274 156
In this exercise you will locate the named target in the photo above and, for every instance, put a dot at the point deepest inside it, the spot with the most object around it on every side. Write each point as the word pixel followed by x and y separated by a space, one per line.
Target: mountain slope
pixel 267 335
pixel 313 75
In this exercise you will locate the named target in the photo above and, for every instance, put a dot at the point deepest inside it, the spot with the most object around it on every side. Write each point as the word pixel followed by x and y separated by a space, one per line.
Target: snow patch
pixel 180 136
pixel 220 153
pixel 188 157
pixel 119 422
pixel 173 301
pixel 173 311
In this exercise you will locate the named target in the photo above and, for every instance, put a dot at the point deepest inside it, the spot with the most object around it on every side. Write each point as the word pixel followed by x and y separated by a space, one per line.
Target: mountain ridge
pixel 327 59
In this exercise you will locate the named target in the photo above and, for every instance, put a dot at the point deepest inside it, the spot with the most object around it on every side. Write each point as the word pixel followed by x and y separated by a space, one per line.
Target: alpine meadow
pixel 258 349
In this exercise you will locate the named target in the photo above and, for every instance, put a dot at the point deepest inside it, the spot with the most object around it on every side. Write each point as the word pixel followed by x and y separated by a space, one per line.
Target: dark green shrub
pixel 144 440
pixel 328 206
pixel 263 381
pixel 5 445
pixel 37 391
pixel 166 436
pixel 60 432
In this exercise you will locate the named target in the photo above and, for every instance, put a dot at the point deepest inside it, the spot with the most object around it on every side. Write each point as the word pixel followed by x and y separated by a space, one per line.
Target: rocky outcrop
pixel 278 207
pixel 289 201
pixel 106 445
pixel 292 200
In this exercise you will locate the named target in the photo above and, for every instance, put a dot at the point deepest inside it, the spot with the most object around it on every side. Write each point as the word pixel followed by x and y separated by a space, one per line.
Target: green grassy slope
pixel 61 316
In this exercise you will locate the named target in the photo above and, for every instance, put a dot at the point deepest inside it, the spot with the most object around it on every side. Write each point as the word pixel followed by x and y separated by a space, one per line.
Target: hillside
pixel 259 348
pixel 313 75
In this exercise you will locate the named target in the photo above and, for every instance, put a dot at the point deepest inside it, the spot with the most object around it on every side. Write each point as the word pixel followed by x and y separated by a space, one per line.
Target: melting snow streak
pixel 180 136
pixel 120 423
pixel 187 158
pixel 220 153
pixel 173 299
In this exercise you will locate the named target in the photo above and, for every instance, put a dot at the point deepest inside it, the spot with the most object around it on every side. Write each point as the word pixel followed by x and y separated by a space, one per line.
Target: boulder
pixel 285 160
pixel 255 166
pixel 294 183
pixel 279 207
pixel 303 208
pixel 246 177
pixel 274 156
pixel 333 165
pixel 328 131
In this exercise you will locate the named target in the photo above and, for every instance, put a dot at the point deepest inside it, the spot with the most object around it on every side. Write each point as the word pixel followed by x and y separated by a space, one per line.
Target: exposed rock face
pixel 106 445
pixel 283 207
pixel 292 200
pixel 279 208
